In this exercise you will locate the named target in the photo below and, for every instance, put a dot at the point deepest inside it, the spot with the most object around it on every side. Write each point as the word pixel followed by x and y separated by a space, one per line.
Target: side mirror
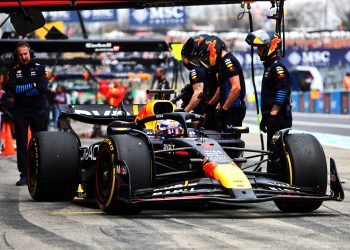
pixel 27 21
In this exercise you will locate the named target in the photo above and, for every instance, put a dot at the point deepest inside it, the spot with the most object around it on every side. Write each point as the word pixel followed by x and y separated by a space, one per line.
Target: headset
pixel 19 44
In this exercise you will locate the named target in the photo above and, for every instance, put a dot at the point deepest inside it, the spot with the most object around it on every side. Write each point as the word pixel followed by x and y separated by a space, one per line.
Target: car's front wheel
pixel 305 166
pixel 115 180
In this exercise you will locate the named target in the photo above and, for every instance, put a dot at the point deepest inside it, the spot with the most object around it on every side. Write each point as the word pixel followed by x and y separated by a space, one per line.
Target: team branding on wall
pixel 295 57
pixel 158 16
pixel 87 15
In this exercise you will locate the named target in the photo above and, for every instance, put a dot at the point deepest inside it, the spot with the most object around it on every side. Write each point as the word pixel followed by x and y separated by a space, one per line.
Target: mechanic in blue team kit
pixel 230 95
pixel 27 86
pixel 275 88
pixel 202 82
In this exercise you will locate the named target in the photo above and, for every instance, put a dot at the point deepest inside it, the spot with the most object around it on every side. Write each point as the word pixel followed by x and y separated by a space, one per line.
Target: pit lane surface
pixel 26 224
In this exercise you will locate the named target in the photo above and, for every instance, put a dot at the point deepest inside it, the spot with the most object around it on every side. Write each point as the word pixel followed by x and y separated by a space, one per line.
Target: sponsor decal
pixel 280 72
pixel 110 144
pixel 178 188
pixel 121 169
pixel 216 156
pixel 98 45
pixel 278 186
pixel 36 153
pixel 168 146
pixel 90 153
pixel 97 113
pixel 229 65
pixel 193 74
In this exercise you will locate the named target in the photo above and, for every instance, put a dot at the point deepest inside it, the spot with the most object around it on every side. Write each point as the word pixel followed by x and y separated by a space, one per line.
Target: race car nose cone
pixel 244 194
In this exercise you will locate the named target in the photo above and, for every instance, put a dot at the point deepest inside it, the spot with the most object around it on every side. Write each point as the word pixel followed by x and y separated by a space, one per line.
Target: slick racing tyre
pixel 52 166
pixel 308 169
pixel 113 182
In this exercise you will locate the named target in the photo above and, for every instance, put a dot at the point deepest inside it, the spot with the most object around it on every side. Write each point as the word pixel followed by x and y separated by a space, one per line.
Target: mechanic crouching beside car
pixel 27 86
pixel 275 88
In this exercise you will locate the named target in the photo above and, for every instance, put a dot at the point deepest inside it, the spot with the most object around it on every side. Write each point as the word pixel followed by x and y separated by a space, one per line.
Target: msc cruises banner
pixel 87 15
pixel 294 57
pixel 165 16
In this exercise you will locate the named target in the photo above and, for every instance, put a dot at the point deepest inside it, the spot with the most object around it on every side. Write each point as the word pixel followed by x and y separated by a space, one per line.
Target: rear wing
pixel 100 114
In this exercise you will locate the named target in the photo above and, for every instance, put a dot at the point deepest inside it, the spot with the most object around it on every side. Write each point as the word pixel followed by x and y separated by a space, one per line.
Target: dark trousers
pixel 210 116
pixel 22 120
pixel 281 121
pixel 233 118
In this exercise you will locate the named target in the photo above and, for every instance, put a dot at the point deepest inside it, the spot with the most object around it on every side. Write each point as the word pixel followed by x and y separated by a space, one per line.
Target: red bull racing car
pixel 152 154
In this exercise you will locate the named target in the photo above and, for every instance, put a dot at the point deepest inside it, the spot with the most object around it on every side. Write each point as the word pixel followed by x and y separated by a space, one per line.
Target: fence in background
pixel 327 102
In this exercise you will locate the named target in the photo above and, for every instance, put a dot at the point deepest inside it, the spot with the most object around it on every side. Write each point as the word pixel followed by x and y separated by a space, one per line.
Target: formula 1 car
pixel 153 154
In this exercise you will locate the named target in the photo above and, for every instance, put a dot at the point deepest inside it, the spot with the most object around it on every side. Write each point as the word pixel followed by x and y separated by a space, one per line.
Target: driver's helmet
pixel 169 127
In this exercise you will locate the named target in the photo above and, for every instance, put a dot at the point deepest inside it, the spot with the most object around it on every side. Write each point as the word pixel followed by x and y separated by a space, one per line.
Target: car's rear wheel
pixel 308 168
pixel 52 166
pixel 112 181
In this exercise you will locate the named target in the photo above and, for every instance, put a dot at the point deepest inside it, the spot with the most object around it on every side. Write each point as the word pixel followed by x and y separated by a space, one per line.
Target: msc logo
pixel 158 16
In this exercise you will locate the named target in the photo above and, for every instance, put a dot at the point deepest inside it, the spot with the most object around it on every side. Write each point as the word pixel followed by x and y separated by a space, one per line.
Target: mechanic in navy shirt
pixel 230 95
pixel 275 87
pixel 203 83
pixel 27 85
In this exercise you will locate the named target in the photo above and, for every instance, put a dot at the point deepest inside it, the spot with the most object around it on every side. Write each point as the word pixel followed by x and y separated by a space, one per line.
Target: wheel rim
pixel 33 165
pixel 105 177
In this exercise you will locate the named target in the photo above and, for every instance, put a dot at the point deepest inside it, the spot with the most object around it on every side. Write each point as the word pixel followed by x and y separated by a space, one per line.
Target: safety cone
pixel 3 131
pixel 9 148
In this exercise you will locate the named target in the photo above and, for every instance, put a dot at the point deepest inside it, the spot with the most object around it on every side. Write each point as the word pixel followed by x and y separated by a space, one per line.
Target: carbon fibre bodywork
pixel 180 170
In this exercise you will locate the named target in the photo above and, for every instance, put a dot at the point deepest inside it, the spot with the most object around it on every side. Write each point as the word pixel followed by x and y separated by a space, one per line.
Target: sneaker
pixel 23 181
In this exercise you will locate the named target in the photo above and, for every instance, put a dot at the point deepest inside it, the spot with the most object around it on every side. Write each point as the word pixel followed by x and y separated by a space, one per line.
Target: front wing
pixel 210 190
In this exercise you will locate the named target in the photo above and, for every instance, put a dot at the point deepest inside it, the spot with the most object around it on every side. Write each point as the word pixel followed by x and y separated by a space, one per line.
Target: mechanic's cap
pixel 209 52
pixel 271 42
pixel 189 50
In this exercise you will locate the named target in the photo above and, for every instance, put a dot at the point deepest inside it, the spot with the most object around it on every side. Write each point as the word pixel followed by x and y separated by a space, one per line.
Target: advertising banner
pixel 165 16
pixel 87 15
pixel 320 58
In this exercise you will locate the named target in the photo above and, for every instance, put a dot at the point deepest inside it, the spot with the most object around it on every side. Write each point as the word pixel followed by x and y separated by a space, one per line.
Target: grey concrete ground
pixel 25 224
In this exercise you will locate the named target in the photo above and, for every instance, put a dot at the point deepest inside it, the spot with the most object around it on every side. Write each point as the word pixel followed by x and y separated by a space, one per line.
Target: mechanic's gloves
pixel 263 124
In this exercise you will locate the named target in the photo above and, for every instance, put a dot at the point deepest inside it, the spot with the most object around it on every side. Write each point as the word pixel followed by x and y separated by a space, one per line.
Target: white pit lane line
pixel 325 139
